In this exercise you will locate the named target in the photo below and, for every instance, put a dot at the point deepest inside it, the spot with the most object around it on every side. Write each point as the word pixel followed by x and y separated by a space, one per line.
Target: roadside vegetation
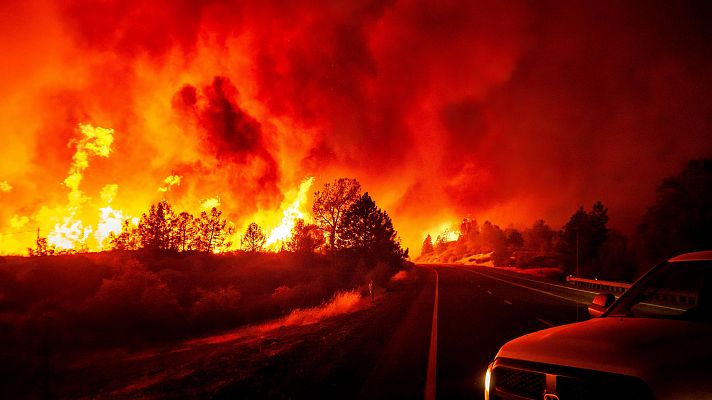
pixel 679 221
pixel 174 276
pixel 136 298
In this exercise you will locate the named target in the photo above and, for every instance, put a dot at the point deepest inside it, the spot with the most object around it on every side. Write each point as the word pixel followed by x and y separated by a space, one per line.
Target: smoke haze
pixel 511 111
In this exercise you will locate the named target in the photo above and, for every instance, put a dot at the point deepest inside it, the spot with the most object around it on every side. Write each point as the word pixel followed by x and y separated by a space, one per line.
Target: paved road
pixel 480 309
pixel 385 351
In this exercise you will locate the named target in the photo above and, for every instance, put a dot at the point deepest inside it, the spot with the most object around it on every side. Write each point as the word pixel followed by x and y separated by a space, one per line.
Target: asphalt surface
pixel 388 349
pixel 480 309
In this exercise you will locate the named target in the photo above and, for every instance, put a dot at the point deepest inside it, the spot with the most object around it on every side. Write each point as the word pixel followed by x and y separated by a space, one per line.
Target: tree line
pixel 345 220
pixel 679 221
pixel 584 246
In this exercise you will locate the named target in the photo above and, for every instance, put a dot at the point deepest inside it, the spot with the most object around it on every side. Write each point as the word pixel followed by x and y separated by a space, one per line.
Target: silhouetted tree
pixel 185 231
pixel 369 230
pixel 616 263
pixel 306 238
pixel 513 239
pixel 681 218
pixel 42 248
pixel 469 238
pixel 156 228
pixel 212 232
pixel 427 246
pixel 494 240
pixel 492 236
pixel 253 239
pixel 539 238
pixel 582 237
pixel 331 203
pixel 127 239
pixel 441 242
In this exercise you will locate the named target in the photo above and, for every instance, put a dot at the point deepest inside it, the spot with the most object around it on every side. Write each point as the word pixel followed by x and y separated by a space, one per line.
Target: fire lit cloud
pixel 511 111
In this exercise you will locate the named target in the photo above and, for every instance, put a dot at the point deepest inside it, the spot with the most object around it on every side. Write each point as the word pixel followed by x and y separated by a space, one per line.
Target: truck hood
pixel 655 350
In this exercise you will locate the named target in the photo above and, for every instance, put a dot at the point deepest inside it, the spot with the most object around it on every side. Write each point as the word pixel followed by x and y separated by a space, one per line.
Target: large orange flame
pixel 85 221
pixel 291 212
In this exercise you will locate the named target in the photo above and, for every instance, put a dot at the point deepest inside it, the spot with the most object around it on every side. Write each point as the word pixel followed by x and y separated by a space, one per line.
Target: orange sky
pixel 512 111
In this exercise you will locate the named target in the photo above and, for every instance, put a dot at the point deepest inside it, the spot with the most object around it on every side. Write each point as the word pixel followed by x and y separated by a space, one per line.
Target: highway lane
pixel 480 309
pixel 388 350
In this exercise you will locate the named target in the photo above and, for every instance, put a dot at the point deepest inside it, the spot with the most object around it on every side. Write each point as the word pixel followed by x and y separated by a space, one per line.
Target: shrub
pixel 216 309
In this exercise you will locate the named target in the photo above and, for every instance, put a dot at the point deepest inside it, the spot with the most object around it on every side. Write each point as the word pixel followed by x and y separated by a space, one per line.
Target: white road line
pixel 433 351
pixel 549 324
pixel 547 283
pixel 507 302
pixel 525 287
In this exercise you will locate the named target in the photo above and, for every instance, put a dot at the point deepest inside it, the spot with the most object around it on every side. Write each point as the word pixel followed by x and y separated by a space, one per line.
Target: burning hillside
pixel 441 109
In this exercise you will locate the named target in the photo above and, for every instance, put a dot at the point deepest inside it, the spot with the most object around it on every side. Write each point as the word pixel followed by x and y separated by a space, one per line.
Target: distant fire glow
pixel 506 112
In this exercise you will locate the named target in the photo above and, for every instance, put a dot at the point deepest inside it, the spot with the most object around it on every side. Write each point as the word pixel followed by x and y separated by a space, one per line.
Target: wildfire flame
pixel 70 232
pixel 291 213
pixel 85 222
pixel 447 231
pixel 240 100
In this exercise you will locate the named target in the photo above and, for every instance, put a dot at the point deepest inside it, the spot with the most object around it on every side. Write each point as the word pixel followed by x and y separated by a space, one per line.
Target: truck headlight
pixel 488 379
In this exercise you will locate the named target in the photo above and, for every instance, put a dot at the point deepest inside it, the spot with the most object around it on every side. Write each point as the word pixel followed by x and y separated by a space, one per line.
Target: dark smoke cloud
pixel 489 108
pixel 230 133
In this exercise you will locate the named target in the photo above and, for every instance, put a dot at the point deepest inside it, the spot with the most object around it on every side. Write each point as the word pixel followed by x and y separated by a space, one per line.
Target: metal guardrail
pixel 609 286
pixel 673 297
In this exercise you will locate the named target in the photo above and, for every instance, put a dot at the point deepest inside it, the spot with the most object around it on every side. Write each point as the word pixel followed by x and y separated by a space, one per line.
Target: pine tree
pixel 427 246
pixel 185 231
pixel 42 248
pixel 156 228
pixel 582 237
pixel 127 239
pixel 306 238
pixel 212 232
pixel 368 229
pixel 331 203
pixel 253 239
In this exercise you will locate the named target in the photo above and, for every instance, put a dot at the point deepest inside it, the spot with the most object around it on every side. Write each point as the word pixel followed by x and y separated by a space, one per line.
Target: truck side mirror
pixel 600 304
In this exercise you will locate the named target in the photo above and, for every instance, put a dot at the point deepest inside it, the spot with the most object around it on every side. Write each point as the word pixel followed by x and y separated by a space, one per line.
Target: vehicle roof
pixel 695 256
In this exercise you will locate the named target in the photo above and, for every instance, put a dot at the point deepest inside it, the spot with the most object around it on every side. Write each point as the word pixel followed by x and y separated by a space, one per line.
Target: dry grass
pixel 57 309
pixel 130 299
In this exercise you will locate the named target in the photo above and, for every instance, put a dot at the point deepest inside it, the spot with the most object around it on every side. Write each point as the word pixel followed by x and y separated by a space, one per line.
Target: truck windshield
pixel 675 290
